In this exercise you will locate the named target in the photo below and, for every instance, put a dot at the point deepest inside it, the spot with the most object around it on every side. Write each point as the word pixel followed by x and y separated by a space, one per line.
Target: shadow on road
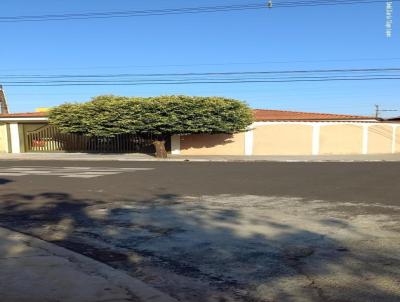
pixel 4 181
pixel 202 251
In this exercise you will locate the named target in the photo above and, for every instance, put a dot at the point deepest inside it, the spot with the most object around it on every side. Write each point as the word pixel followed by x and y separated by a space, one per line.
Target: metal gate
pixel 49 139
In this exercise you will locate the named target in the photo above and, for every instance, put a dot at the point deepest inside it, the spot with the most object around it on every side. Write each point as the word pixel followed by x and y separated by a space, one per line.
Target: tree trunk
pixel 161 152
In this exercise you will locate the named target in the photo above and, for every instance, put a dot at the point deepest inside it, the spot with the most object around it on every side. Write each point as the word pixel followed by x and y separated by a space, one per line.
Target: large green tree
pixel 163 116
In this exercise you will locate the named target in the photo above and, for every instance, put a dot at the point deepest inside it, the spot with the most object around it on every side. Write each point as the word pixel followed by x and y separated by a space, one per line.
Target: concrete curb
pixel 127 158
pixel 141 290
pixel 137 157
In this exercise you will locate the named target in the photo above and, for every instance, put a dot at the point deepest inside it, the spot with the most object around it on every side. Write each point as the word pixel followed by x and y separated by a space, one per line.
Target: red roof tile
pixel 259 114
pixel 26 114
pixel 281 115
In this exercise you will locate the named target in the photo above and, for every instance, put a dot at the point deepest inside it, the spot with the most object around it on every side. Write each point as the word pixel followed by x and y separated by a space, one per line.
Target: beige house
pixel 274 132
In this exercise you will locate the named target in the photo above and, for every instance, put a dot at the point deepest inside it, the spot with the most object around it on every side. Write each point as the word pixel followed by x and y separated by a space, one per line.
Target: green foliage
pixel 165 115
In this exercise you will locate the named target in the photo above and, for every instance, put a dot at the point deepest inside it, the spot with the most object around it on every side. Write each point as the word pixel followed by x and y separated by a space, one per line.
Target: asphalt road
pixel 376 182
pixel 207 231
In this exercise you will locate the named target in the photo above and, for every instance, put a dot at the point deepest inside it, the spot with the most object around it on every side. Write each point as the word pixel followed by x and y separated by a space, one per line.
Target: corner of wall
pixel 175 144
pixel 21 137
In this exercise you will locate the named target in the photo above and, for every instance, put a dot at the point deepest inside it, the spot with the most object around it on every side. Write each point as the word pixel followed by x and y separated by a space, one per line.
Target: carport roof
pixel 259 114
pixel 26 114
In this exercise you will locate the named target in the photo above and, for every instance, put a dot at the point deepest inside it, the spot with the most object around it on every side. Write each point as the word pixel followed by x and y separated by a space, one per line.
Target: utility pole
pixel 3 102
pixel 378 111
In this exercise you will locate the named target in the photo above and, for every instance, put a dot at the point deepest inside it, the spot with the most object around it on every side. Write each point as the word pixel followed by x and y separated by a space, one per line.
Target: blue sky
pixel 349 36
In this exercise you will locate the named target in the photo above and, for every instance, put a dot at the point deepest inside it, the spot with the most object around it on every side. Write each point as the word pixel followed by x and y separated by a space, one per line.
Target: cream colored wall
pixel 4 141
pixel 380 139
pixel 282 139
pixel 273 139
pixel 397 142
pixel 297 139
pixel 341 139
pixel 21 137
pixel 212 144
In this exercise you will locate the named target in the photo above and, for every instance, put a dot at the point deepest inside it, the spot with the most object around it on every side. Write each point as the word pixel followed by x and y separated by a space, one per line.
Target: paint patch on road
pixel 66 172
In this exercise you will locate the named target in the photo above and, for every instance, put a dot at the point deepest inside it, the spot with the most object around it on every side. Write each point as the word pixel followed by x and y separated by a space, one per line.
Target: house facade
pixel 274 132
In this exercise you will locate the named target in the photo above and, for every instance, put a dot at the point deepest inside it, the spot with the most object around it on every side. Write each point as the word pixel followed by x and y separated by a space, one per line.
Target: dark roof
pixel 396 118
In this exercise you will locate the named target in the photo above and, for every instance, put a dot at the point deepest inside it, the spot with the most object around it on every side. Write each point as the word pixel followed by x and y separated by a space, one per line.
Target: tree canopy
pixel 110 115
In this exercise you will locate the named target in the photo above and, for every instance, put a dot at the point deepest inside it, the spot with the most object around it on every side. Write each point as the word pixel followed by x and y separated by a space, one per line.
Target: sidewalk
pixel 213 158
pixel 37 271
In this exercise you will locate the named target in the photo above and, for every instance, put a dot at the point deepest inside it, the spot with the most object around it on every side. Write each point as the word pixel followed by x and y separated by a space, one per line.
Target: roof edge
pixel 270 115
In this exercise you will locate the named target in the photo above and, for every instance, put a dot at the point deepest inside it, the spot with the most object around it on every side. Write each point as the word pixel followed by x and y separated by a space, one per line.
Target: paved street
pixel 219 231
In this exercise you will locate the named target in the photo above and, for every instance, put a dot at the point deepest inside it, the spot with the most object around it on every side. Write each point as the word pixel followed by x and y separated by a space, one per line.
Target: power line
pixel 280 76
pixel 209 64
pixel 108 80
pixel 239 81
pixel 131 13
pixel 326 2
pixel 338 70
pixel 181 11
pixel 378 111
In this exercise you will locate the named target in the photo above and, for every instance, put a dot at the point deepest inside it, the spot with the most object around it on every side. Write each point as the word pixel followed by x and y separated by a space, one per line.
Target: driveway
pixel 221 231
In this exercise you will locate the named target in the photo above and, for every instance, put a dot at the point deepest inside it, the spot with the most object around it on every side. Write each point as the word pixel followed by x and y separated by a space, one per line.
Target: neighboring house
pixel 13 128
pixel 274 132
